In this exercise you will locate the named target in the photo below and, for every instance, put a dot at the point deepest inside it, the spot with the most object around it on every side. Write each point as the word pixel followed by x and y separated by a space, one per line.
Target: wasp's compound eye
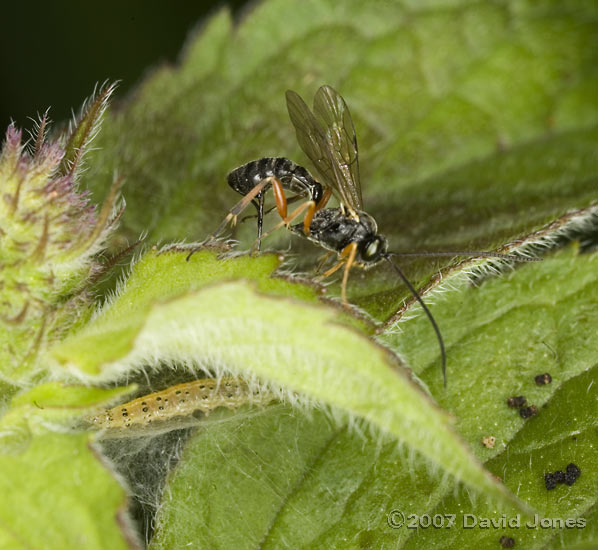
pixel 372 250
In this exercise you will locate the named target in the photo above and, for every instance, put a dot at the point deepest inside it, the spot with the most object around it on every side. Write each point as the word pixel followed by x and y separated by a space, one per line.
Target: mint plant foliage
pixel 478 130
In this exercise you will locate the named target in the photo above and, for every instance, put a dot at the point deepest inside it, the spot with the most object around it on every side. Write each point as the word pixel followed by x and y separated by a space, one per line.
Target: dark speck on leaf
pixel 573 472
pixel 516 402
pixel 549 481
pixel 528 412
pixel 543 379
pixel 559 476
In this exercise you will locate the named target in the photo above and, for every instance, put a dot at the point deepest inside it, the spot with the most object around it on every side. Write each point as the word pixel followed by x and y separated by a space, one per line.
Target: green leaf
pixel 550 184
pixel 56 495
pixel 574 540
pixel 51 407
pixel 500 336
pixel 159 278
pixel 476 125
pixel 522 466
pixel 320 485
pixel 229 325
pixel 55 401
pixel 342 485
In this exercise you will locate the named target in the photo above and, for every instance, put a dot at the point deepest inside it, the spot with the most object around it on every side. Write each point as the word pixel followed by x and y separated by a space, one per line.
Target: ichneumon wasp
pixel 327 136
pixel 254 179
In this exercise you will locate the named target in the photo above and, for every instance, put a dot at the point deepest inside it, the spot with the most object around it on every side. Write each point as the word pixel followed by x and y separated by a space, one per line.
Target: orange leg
pixel 322 262
pixel 313 209
pixel 350 251
pixel 287 220
pixel 242 204
pixel 324 200
pixel 331 271
pixel 339 264
pixel 279 198
pixel 281 205
pixel 289 200
pixel 346 258
pixel 231 217
pixel 309 215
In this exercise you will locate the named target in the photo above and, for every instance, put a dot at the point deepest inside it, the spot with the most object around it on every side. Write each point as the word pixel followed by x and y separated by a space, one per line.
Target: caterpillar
pixel 203 395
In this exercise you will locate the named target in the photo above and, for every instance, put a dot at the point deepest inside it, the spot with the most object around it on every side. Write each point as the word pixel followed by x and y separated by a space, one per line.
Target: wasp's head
pixel 374 249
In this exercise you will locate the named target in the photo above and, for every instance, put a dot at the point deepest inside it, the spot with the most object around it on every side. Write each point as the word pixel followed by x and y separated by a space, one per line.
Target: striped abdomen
pixel 293 177
pixel 184 399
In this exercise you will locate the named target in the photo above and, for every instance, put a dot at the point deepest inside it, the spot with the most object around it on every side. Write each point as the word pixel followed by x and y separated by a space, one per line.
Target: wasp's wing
pixel 336 164
pixel 341 144
pixel 310 136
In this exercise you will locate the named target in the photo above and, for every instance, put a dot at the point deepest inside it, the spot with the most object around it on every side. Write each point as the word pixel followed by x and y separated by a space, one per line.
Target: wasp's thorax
pixel 334 229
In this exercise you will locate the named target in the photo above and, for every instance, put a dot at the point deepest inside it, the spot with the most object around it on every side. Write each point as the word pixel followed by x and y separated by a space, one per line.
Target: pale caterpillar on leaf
pixel 203 395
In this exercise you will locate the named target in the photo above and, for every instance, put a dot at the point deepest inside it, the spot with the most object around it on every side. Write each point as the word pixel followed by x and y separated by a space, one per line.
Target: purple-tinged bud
pixel 50 235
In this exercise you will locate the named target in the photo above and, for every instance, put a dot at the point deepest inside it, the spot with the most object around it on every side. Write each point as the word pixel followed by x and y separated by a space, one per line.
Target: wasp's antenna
pixel 479 253
pixel 425 308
